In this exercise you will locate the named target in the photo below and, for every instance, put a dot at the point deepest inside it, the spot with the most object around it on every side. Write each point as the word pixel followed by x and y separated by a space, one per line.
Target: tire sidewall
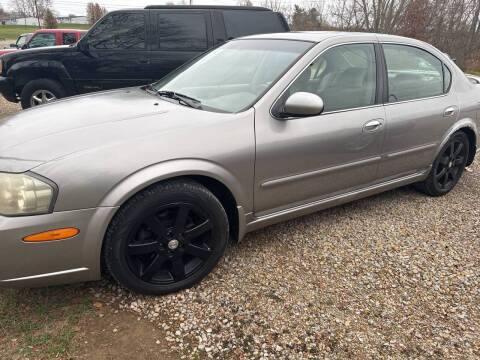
pixel 150 201
pixel 464 138
pixel 40 84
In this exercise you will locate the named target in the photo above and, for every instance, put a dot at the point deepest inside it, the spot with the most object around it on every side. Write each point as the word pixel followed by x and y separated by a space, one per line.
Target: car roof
pixel 60 31
pixel 26 34
pixel 207 7
pixel 318 36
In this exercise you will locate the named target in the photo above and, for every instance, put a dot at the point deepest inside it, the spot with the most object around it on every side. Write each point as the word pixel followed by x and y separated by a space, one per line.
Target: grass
pixel 41 323
pixel 11 32
pixel 472 72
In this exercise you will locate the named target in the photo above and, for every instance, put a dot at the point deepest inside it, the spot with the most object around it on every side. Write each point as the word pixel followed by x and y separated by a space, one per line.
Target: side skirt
pixel 257 222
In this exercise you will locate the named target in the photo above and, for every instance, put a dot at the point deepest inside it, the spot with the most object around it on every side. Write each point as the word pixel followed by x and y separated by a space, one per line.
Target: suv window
pixel 43 39
pixel 181 31
pixel 343 76
pixel 21 40
pixel 119 31
pixel 246 22
pixel 413 73
pixel 69 38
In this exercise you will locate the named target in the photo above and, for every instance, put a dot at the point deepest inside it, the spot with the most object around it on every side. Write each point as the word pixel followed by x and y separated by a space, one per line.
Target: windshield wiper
pixel 183 99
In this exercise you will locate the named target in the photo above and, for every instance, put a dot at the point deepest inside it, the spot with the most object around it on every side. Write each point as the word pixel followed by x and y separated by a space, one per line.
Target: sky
pixel 77 7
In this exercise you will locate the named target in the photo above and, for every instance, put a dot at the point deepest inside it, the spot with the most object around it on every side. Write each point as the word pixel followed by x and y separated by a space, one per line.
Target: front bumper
pixel 7 89
pixel 55 262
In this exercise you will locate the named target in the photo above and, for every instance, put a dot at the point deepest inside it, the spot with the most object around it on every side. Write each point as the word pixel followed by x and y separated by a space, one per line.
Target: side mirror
pixel 83 45
pixel 14 46
pixel 302 104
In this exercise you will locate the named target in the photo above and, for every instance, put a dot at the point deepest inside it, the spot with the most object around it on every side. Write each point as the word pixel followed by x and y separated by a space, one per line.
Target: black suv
pixel 128 48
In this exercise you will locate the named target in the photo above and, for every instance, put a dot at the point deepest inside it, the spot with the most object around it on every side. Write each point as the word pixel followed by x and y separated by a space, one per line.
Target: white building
pixel 72 20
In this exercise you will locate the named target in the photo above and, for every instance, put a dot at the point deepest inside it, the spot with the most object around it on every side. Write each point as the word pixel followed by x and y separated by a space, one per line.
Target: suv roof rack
pixel 207 7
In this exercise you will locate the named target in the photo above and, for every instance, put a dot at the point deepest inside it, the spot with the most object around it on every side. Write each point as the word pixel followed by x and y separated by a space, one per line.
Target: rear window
pixel 248 22
pixel 69 38
pixel 177 31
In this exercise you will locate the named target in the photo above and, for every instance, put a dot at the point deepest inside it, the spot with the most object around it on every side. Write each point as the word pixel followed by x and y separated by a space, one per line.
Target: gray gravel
pixel 8 108
pixel 392 276
pixel 396 275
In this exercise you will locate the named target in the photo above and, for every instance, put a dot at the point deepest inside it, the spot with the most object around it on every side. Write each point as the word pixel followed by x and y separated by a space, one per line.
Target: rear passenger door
pixel 419 109
pixel 176 37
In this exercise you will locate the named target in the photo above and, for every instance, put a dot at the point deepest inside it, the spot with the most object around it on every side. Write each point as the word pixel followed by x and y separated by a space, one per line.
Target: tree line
pixel 453 26
pixel 29 8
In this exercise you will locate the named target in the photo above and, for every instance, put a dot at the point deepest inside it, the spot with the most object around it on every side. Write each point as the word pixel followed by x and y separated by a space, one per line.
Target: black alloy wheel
pixel 448 166
pixel 170 244
pixel 166 238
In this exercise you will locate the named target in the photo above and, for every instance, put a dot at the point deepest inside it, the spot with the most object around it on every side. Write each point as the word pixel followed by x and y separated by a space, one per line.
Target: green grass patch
pixel 473 72
pixel 41 323
pixel 11 32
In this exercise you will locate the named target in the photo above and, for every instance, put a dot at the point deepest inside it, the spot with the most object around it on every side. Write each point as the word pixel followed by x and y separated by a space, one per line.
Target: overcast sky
pixel 77 7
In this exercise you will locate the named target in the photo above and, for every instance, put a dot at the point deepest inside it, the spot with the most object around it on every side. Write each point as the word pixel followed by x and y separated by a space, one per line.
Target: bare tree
pixel 95 12
pixel 27 8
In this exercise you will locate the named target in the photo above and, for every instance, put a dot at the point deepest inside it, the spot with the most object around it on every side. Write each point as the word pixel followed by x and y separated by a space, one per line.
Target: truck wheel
pixel 41 91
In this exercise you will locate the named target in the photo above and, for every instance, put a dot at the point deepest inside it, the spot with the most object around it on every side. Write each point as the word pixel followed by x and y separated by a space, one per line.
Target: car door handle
pixel 372 125
pixel 450 111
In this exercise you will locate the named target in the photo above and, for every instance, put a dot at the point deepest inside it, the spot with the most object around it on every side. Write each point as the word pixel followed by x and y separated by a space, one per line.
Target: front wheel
pixel 166 238
pixel 448 167
pixel 41 91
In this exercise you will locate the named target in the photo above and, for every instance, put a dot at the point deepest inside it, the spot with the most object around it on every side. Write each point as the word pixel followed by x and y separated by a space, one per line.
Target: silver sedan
pixel 151 182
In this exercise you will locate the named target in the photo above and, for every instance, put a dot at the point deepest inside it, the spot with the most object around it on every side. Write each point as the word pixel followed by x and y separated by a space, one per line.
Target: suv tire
pixel 46 89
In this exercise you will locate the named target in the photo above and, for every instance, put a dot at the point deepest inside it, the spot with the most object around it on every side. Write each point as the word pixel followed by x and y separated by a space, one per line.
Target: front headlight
pixel 24 194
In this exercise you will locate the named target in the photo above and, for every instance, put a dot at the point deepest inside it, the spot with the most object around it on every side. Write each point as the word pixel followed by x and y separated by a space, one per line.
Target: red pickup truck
pixel 50 37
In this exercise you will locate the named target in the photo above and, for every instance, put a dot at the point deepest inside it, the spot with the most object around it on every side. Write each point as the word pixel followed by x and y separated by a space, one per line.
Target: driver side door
pixel 300 160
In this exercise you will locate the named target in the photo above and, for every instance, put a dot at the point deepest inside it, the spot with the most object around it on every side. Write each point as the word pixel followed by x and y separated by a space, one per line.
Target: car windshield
pixel 234 76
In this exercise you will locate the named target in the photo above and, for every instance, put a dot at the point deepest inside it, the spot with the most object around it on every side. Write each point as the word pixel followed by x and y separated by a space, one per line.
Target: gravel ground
pixel 392 276
pixel 8 108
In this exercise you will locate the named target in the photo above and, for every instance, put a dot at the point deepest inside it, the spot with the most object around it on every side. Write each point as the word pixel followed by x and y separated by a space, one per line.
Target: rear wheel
pixel 41 91
pixel 448 166
pixel 166 238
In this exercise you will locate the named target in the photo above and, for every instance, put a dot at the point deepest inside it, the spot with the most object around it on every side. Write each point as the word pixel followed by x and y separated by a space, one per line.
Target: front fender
pixel 145 177
pixel 24 71
pixel 171 169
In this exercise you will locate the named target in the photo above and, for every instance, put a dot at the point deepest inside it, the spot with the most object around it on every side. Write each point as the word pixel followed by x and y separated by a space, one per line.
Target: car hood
pixel 7 51
pixel 68 126
pixel 46 49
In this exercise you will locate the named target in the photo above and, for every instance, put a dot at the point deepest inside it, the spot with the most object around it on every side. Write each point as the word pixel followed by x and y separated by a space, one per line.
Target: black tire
pixel 52 86
pixel 150 247
pixel 448 167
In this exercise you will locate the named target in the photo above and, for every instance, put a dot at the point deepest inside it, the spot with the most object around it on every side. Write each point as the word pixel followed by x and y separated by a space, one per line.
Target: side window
pixel 447 79
pixel 343 76
pixel 21 41
pixel 122 30
pixel 248 22
pixel 413 73
pixel 181 31
pixel 43 39
pixel 69 38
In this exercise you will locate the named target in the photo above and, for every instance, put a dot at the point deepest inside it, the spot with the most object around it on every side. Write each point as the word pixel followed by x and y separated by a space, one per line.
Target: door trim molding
pixel 314 173
pixel 411 150
pixel 261 221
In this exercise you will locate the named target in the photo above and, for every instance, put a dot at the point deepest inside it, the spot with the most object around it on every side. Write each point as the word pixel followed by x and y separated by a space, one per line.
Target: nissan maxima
pixel 150 183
